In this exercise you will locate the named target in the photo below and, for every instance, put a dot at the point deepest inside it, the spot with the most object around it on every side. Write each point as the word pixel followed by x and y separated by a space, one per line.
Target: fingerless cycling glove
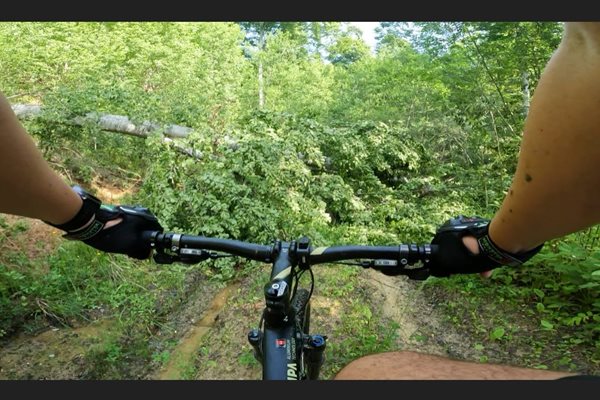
pixel 453 257
pixel 124 237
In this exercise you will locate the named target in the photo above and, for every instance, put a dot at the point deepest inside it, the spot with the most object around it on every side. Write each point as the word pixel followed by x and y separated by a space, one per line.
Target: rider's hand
pixel 113 229
pixel 473 246
pixel 465 247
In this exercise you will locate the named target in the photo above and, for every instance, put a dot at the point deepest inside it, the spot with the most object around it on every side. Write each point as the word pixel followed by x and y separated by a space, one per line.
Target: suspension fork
pixel 314 353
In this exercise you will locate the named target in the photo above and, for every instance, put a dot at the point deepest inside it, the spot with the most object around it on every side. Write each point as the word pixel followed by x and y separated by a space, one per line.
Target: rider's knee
pixel 378 366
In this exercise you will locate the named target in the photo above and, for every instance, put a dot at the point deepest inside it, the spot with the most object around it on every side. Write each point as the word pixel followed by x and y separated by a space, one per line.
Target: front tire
pixel 301 306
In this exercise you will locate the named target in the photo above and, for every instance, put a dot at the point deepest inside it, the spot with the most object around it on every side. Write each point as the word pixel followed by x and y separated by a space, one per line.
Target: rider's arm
pixel 30 187
pixel 556 187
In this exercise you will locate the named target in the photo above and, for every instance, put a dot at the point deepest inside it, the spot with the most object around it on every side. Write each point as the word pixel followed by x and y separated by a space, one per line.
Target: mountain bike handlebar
pixel 391 260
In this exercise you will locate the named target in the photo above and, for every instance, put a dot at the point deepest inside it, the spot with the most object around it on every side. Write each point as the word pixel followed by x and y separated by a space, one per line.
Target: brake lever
pixel 418 274
pixel 391 268
pixel 193 256
pixel 163 258
pixel 187 256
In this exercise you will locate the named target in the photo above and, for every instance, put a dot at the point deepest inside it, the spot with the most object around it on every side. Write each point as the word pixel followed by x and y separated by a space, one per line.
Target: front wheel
pixel 310 358
pixel 301 306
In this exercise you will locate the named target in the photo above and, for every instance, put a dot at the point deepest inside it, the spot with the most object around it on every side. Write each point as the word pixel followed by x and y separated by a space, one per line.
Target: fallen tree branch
pixel 109 122
pixel 117 124
pixel 122 124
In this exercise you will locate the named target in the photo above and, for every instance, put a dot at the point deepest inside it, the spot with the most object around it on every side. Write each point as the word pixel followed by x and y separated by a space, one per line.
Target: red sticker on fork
pixel 280 342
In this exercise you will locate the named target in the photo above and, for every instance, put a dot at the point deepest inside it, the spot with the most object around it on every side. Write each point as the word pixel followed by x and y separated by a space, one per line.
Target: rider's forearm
pixel 556 188
pixel 30 187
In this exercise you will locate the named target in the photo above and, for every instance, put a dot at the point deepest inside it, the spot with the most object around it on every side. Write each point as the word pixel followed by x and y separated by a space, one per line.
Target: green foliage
pixel 348 48
pixel 295 82
pixel 567 283
pixel 247 180
pixel 360 334
pixel 497 333
pixel 76 280
pixel 557 292
pixel 398 85
pixel 283 176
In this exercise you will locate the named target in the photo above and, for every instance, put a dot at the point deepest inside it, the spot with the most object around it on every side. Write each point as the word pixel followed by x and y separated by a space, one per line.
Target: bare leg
pixel 407 365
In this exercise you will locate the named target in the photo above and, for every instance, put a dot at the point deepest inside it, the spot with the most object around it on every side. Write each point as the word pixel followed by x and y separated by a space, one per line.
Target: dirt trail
pixel 211 327
pixel 422 327
pixel 184 352
pixel 59 353
pixel 110 193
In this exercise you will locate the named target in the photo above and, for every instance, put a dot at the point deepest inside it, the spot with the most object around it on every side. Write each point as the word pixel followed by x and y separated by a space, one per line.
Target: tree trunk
pixel 109 122
pixel 261 85
pixel 493 79
pixel 526 94
pixel 261 93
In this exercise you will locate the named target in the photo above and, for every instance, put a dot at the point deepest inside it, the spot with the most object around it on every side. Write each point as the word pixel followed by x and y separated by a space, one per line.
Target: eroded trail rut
pixel 184 353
